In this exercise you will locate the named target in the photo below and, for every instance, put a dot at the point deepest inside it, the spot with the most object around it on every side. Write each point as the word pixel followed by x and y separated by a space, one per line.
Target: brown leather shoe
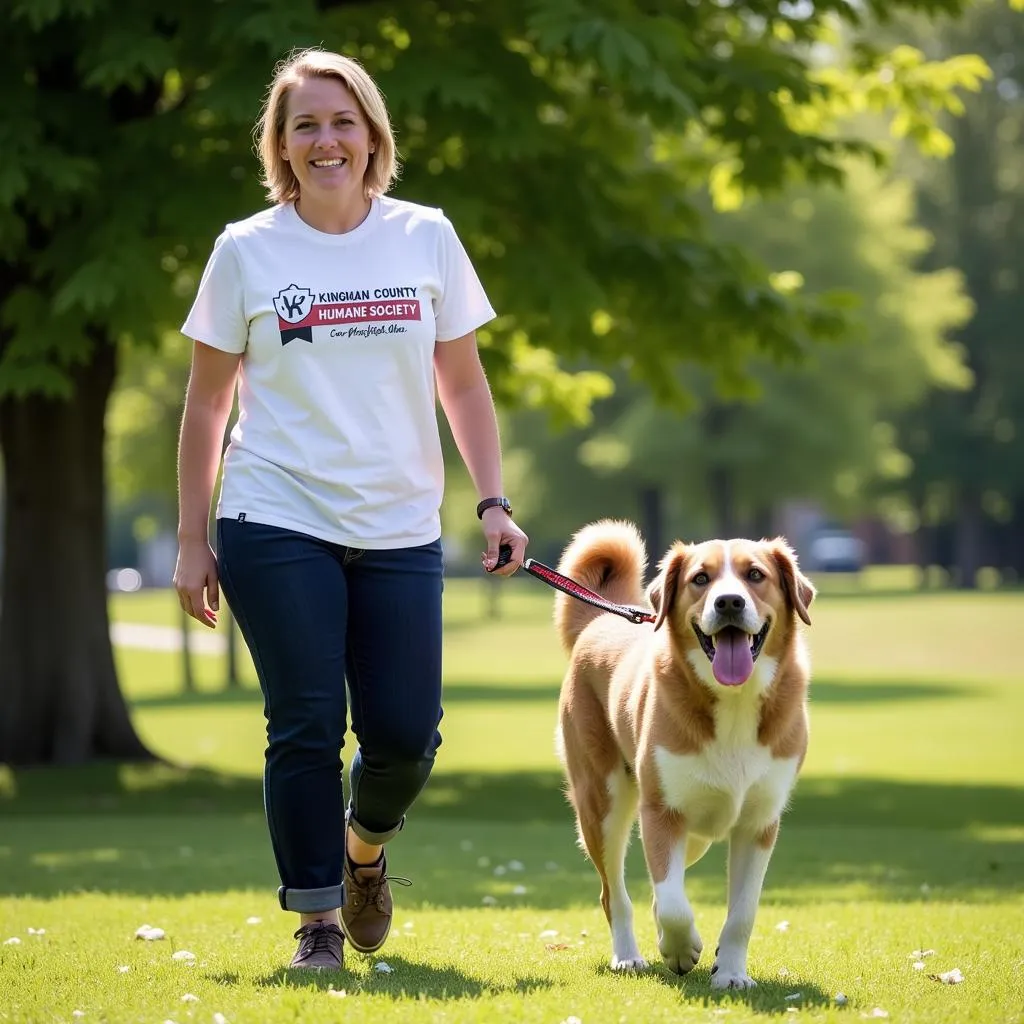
pixel 320 947
pixel 366 914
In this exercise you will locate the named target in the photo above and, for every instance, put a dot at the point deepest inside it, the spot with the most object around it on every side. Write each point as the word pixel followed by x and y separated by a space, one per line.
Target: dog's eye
pixel 755 575
pixel 701 579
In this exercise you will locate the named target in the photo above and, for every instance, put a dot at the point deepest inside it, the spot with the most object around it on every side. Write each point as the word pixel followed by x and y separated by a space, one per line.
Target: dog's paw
pixel 680 947
pixel 722 978
pixel 628 964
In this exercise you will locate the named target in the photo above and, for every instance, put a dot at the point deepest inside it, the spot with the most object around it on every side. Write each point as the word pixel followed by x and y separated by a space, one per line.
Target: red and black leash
pixel 569 586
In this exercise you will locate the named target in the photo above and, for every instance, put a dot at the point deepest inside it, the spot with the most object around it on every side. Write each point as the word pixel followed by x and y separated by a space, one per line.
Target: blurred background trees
pixel 707 278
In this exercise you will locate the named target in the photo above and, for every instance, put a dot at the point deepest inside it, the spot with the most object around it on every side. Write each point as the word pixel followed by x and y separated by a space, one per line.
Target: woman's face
pixel 326 140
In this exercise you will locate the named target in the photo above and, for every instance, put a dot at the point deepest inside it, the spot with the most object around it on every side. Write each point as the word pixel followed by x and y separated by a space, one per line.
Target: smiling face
pixel 326 140
pixel 730 600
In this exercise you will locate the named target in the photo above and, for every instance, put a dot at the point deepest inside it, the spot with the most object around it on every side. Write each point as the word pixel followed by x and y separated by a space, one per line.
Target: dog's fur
pixel 646 729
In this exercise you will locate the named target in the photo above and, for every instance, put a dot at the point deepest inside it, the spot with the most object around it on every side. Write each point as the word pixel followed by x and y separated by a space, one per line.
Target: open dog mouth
pixel 732 652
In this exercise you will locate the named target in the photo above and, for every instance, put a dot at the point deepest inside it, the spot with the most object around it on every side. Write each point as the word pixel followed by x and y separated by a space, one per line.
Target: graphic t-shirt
pixel 337 432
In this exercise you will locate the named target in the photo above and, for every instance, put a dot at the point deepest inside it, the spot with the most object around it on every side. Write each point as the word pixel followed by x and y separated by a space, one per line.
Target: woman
pixel 336 310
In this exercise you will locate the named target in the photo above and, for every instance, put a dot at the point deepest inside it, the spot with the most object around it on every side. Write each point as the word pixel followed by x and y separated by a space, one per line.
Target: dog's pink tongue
pixel 733 663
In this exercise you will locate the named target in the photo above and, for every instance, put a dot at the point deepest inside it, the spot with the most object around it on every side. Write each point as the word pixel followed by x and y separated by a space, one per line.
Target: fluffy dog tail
pixel 608 557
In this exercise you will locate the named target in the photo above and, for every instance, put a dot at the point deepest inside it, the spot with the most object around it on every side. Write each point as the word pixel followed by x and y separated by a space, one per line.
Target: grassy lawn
pixel 906 833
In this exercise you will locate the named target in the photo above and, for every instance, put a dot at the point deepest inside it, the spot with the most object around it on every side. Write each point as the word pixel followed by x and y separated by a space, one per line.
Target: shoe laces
pixel 374 888
pixel 316 937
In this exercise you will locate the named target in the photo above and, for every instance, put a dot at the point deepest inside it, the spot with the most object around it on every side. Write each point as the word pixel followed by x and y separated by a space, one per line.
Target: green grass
pixel 906 832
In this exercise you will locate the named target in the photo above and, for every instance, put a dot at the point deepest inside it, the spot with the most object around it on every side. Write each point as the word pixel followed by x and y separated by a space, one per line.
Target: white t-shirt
pixel 337 433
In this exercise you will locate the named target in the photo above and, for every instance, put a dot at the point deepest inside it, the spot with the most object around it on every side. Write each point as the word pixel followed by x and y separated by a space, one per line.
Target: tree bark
pixel 58 686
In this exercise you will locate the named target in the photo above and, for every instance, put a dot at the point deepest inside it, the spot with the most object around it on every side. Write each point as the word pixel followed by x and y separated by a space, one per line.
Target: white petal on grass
pixel 78 1013
pixel 219 1018
pixel 782 926
pixel 489 901
pixel 840 999
pixel 123 969
pixel 920 954
pixel 483 862
pixel 516 865
pixel 184 955
pixel 189 998
pixel 254 920
pixel 918 965
pixel 408 924
pixel 12 941
pixel 383 968
pixel 338 993
pixel 793 995
pixel 519 890
pixel 149 933
pixel 953 977
pixel 572 1020
pixel 549 933
pixel 37 931
pixel 877 1012
pixel 501 869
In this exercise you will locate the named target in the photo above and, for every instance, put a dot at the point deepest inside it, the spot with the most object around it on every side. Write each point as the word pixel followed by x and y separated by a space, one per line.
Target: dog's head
pixel 729 601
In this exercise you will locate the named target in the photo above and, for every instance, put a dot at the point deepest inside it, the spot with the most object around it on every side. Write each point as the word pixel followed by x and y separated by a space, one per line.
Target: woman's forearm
pixel 474 425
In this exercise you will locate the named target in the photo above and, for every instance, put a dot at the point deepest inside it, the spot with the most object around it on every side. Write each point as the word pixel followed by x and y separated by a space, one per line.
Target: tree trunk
pixel 652 522
pixel 968 542
pixel 722 495
pixel 58 686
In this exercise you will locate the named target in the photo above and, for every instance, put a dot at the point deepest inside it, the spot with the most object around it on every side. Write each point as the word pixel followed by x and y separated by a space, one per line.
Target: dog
pixel 696 725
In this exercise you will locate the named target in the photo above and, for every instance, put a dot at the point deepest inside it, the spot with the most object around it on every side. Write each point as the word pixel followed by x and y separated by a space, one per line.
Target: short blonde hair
pixel 278 177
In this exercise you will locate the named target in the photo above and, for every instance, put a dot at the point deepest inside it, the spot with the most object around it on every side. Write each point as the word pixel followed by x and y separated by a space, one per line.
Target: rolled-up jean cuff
pixel 311 901
pixel 373 838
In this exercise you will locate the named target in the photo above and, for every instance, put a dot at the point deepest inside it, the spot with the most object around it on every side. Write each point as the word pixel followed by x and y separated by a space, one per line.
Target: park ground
pixel 900 860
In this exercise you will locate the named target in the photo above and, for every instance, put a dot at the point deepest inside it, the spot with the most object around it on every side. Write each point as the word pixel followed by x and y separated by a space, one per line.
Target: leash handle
pixel 569 586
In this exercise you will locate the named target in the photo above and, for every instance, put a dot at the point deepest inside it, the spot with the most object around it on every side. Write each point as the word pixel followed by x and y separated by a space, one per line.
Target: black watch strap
pixel 492 503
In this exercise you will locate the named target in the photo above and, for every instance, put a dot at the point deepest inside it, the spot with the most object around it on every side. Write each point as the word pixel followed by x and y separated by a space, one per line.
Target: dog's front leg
pixel 749 855
pixel 664 838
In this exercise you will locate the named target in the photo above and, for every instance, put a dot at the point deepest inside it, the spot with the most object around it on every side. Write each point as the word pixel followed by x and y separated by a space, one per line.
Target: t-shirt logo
pixel 292 305
pixel 359 313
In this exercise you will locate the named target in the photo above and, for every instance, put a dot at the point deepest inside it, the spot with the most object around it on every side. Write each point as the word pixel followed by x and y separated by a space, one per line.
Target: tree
pixel 967 483
pixel 820 431
pixel 563 139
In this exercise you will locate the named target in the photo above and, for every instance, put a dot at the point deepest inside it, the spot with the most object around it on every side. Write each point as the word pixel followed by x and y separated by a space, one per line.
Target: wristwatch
pixel 492 503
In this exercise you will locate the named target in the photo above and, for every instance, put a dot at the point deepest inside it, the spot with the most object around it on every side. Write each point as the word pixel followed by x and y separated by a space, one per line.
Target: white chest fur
pixel 733 782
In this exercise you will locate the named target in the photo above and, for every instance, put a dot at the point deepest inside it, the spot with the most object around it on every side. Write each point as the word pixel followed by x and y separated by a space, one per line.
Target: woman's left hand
pixel 499 528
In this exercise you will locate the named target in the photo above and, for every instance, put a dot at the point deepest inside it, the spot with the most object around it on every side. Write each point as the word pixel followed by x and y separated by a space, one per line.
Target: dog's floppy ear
pixel 662 591
pixel 797 587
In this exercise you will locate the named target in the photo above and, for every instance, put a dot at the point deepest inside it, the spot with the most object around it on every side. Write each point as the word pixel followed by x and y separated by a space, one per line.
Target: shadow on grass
pixel 823 691
pixel 409 979
pixel 163 831
pixel 769 997
pixel 510 797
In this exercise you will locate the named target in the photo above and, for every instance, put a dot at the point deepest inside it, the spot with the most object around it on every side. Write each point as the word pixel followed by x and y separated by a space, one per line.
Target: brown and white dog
pixel 698 725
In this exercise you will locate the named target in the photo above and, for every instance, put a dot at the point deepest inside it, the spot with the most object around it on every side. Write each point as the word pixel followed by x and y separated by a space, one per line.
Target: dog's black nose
pixel 730 603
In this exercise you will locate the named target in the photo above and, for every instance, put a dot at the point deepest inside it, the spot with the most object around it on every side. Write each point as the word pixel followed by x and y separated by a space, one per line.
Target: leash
pixel 569 586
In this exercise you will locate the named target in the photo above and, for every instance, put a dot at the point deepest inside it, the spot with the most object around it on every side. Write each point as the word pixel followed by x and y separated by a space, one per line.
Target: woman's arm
pixel 208 399
pixel 469 407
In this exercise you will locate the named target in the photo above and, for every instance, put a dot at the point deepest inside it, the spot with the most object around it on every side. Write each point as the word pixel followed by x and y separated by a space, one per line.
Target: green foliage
pixel 967 449
pixel 568 142
pixel 817 430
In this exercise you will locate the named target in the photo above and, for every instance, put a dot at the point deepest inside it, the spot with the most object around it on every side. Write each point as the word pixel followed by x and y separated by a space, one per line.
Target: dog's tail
pixel 608 557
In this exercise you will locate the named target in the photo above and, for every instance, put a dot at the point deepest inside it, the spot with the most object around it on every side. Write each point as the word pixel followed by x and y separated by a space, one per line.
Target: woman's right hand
pixel 195 580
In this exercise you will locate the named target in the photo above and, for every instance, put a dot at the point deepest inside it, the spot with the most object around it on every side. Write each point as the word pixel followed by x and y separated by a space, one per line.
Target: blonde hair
pixel 278 177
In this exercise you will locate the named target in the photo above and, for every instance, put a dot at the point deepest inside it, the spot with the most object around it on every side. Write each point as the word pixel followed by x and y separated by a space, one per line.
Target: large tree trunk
pixel 59 694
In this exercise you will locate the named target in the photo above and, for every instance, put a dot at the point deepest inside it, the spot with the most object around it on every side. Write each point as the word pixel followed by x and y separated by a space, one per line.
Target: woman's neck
pixel 335 217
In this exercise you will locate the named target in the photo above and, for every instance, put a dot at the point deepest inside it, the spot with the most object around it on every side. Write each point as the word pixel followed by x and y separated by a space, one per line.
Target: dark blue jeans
pixel 314 616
